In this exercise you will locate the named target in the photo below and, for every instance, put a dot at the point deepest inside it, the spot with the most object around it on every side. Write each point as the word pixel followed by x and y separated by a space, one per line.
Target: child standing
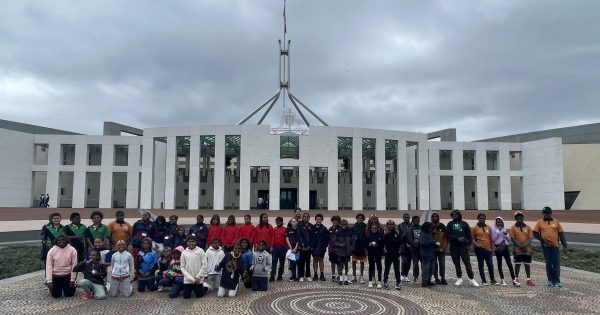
pixel 193 268
pixel 501 240
pixel 50 232
pixel 359 254
pixel 522 236
pixel 75 232
pixel 264 232
pixel 214 229
pixel 279 249
pixel 229 235
pixel 200 231
pixel 247 230
pixel 344 245
pixel 375 243
pixel 232 266
pixel 333 258
pixel 392 244
pixel 414 235
pixel 305 243
pixel 291 238
pixel 320 240
pixel 427 253
pixel 214 255
pixel 145 267
pixel 177 239
pixel 261 267
pixel 121 266
pixel 60 260
pixel 94 273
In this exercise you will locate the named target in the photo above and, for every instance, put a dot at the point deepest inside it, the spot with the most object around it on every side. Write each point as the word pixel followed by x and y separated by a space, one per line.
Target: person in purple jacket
pixel 320 241
pixel 501 240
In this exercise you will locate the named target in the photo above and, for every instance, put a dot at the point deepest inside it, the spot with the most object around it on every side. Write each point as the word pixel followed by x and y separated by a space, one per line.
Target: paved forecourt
pixel 579 295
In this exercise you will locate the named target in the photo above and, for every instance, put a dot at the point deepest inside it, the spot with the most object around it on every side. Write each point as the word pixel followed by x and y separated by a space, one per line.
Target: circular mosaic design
pixel 329 302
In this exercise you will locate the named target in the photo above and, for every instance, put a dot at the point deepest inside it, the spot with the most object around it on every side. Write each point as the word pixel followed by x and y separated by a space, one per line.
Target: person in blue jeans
pixel 549 231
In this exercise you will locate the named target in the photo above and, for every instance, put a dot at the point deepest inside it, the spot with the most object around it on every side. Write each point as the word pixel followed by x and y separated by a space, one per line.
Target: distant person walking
pixel 47 201
pixel 42 201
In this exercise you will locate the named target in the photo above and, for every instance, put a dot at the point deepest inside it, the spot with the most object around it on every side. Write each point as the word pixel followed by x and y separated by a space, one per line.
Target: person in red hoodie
pixel 247 230
pixel 215 230
pixel 264 232
pixel 230 233
pixel 279 249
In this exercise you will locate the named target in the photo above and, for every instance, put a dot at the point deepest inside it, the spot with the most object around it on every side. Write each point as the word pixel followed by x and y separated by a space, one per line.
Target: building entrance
pixel 288 198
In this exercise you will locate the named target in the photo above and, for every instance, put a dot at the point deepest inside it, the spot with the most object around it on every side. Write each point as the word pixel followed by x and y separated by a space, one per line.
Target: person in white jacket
pixel 193 267
pixel 122 267
pixel 214 255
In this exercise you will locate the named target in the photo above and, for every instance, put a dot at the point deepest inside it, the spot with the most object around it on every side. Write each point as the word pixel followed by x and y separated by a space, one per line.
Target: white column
pixel 380 174
pixel 133 158
pixel 402 176
pixel 52 173
pixel 303 187
pixel 482 184
pixel 332 176
pixel 357 188
pixel 274 184
pixel 244 183
pixel 147 172
pixel 219 189
pixel 79 173
pixel 435 201
pixel 194 188
pixel 458 178
pixel 171 170
pixel 106 175
pixel 505 187
pixel 423 176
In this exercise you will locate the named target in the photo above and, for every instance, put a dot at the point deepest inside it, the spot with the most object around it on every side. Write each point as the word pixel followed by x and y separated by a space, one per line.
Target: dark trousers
pixel 62 285
pixel 260 283
pixel 406 259
pixel 304 263
pixel 389 261
pixel 198 289
pixel 459 253
pixel 440 265
pixel 506 255
pixel 175 289
pixel 147 283
pixel 483 255
pixel 428 266
pixel 374 262
pixel 278 259
pixel 552 259
pixel 416 259
pixel 293 266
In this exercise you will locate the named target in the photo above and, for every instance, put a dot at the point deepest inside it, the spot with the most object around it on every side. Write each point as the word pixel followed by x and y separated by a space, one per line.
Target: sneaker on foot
pixel 558 284
pixel 160 288
pixel 271 279
pixel 502 282
pixel 517 282
pixel 474 283
pixel 444 282
pixel 530 282
pixel 87 295
pixel 302 279
pixel 458 282
pixel 378 285
pixel 494 282
pixel 341 281
pixel 346 281
pixel 397 286
pixel 406 279
pixel 414 279
pixel 314 278
pixel 484 283
pixel 309 279
pixel 550 284
pixel 437 281
pixel 361 280
pixel 370 284
pixel 386 286
pixel 332 278
pixel 279 278
pixel 322 277
pixel 401 278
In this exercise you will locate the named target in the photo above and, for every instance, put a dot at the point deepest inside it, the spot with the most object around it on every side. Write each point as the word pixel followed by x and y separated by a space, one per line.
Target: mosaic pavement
pixel 580 295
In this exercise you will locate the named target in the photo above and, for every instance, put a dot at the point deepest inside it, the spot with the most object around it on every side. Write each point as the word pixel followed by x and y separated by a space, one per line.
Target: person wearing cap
pixel 460 239
pixel 121 268
pixel 549 231
pixel 522 236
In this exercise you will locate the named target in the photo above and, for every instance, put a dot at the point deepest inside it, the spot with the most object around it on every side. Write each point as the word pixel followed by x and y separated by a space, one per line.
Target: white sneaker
pixel 361 280
pixel 160 288
pixel 301 279
pixel 406 279
pixel 474 283
pixel 378 285
pixel 370 284
pixel 503 282
pixel 459 282
pixel 401 278
pixel 309 279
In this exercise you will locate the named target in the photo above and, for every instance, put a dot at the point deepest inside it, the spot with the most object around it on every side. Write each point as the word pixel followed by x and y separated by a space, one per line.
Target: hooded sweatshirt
pixel 213 258
pixel 261 264
pixel 500 236
pixel 456 229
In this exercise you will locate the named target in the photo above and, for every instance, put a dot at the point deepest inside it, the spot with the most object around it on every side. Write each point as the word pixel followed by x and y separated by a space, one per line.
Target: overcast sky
pixel 487 68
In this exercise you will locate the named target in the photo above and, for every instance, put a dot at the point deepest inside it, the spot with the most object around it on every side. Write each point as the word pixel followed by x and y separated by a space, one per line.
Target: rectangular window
pixel 121 155
pixel 94 154
pixel 445 160
pixel 40 154
pixel 67 153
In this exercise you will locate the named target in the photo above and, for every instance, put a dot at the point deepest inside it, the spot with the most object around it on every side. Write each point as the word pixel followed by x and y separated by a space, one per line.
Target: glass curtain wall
pixel 391 174
pixel 317 188
pixel 207 172
pixel 259 187
pixel 344 173
pixel 288 192
pixel 232 171
pixel 182 180
pixel 94 154
pixel 119 191
pixel 369 180
pixel 92 189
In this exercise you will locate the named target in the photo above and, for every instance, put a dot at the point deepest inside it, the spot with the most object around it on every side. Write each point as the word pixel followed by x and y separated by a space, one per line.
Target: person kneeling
pixel 94 273
pixel 232 266
pixel 261 268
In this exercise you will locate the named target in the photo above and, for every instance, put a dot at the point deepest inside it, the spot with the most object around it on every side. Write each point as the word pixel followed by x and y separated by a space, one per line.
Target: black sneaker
pixel 272 278
pixel 315 277
pixel 444 282
pixel 279 278
pixel 437 281
pixel 322 277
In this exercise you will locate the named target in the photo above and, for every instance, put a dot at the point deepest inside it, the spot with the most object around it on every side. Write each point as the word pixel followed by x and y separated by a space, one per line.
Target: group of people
pixel 44 200
pixel 215 257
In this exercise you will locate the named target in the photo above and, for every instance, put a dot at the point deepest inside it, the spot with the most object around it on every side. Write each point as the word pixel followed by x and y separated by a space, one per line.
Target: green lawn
pixel 19 259
pixel 575 258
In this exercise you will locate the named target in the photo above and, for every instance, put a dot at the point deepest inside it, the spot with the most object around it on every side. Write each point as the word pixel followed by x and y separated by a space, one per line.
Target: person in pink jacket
pixel 60 278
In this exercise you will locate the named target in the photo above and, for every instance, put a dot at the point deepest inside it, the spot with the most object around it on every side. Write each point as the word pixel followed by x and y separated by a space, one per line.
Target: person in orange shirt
pixel 521 235
pixel 548 231
pixel 119 230
pixel 482 240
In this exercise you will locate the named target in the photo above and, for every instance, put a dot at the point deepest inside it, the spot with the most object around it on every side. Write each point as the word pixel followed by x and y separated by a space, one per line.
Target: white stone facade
pixel 152 174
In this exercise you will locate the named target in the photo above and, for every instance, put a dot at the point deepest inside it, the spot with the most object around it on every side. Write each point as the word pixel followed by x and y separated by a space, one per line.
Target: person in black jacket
pixel 414 236
pixel 94 274
pixel 375 243
pixel 459 237
pixel 392 243
pixel 405 254
pixel 359 230
pixel 344 245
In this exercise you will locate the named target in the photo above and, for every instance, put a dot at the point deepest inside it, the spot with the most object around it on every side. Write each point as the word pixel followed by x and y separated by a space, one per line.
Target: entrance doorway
pixel 288 198
pixel 264 194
